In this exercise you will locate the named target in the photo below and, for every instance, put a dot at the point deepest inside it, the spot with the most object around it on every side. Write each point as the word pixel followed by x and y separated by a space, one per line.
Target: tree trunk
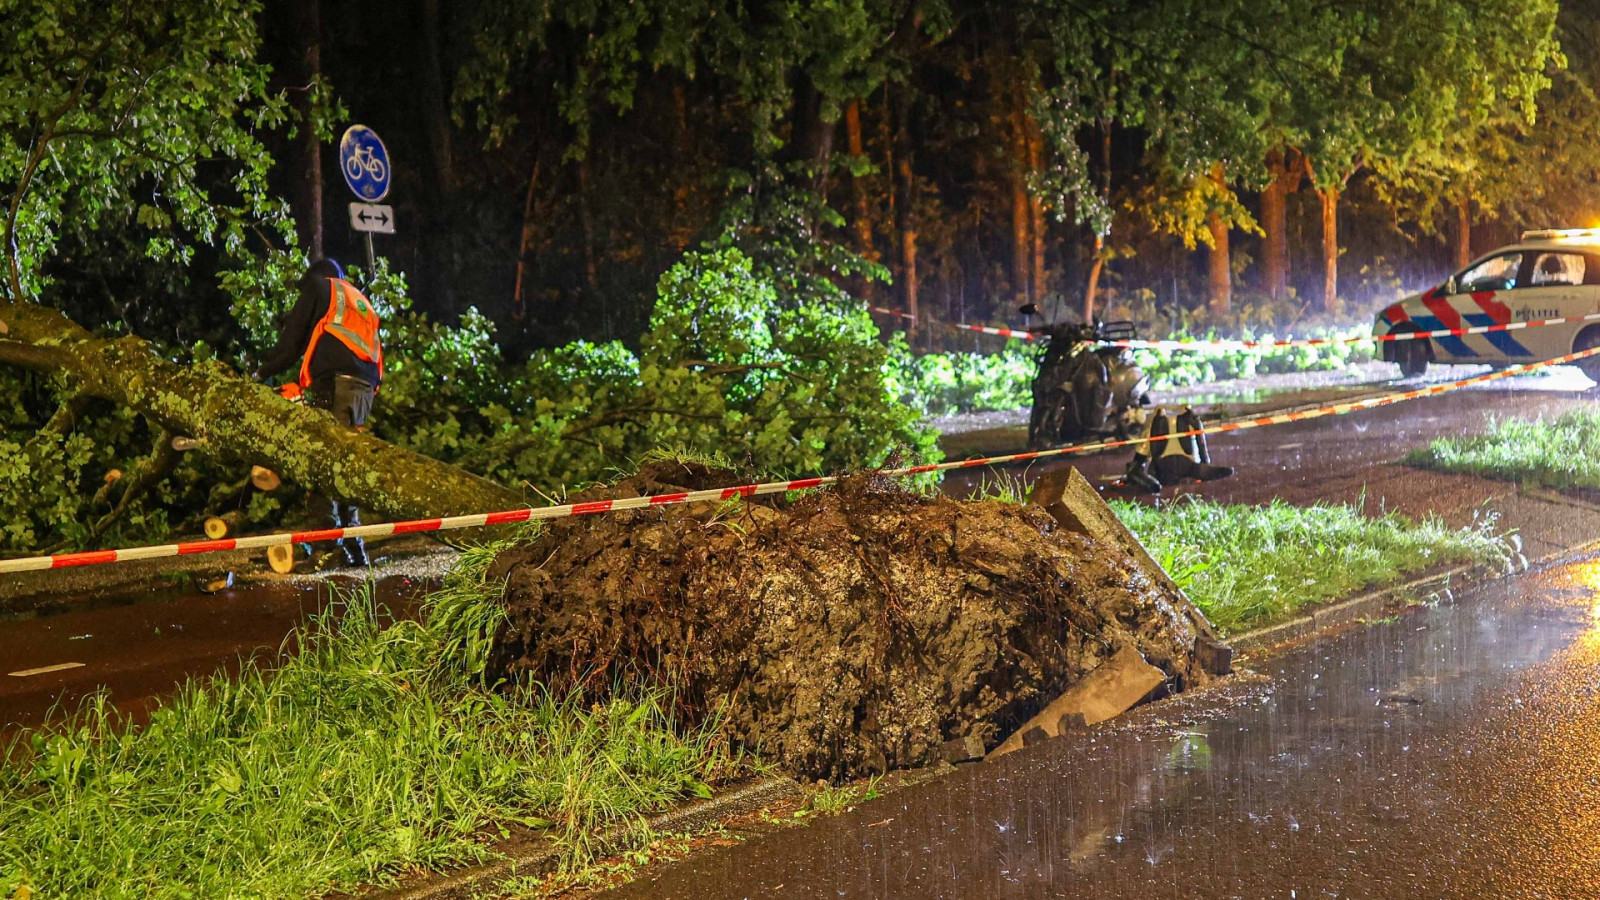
pixel 591 269
pixel 1090 293
pixel 1330 246
pixel 679 232
pixel 1275 224
pixel 436 104
pixel 305 22
pixel 908 241
pixel 1036 220
pixel 1219 294
pixel 243 421
pixel 858 190
pixel 1463 230
pixel 519 300
pixel 1021 287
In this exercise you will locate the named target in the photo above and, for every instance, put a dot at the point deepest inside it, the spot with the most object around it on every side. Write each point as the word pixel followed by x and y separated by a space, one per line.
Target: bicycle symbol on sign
pixel 362 161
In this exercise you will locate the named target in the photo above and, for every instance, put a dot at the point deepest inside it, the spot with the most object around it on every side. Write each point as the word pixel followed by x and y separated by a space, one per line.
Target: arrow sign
pixel 372 217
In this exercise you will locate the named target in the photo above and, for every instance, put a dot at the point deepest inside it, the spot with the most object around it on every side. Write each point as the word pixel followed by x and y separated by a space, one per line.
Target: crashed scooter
pixel 1083 388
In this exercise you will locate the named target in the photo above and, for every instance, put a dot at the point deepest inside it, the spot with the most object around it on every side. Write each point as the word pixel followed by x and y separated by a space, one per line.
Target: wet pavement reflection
pixel 1454 752
pixel 140 644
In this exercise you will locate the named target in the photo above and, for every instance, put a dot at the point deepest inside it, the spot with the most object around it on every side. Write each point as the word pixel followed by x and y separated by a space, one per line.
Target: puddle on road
pixel 1450 753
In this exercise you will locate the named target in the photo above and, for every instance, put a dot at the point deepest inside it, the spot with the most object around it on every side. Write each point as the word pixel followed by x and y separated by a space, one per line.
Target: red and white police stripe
pixel 1198 344
pixel 508 517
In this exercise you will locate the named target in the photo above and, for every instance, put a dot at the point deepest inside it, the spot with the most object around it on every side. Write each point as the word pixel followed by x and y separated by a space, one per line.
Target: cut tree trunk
pixel 244 422
pixel 1330 246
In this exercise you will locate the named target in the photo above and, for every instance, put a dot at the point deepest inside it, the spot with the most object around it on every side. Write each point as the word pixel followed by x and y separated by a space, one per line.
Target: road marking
pixel 45 670
pixel 1291 446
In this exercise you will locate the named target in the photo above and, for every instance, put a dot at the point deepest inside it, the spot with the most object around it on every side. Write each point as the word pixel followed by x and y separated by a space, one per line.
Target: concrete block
pixel 1113 687
pixel 1076 506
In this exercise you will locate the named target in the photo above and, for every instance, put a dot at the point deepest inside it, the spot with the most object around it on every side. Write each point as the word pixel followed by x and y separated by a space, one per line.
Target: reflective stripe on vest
pixel 350 319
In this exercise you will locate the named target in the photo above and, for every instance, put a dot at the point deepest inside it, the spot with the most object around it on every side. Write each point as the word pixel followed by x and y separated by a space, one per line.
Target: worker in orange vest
pixel 333 331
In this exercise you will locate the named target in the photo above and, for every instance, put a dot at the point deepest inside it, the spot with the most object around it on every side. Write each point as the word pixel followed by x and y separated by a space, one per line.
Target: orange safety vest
pixel 351 319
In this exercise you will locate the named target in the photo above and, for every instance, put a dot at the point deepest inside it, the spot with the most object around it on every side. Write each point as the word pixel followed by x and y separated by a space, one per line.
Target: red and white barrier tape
pixel 1287 342
pixel 507 517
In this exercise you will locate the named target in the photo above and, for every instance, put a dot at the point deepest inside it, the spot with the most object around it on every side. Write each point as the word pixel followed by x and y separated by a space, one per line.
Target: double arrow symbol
pixel 372 217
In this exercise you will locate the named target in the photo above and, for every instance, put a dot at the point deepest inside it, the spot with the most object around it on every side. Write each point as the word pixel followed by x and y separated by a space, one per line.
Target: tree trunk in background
pixel 682 143
pixel 908 241
pixel 1093 288
pixel 1219 269
pixel 1021 287
pixel 858 190
pixel 1275 222
pixel 1463 230
pixel 238 420
pixel 1036 208
pixel 1287 168
pixel 1330 246
pixel 436 105
pixel 519 299
pixel 591 271
pixel 305 22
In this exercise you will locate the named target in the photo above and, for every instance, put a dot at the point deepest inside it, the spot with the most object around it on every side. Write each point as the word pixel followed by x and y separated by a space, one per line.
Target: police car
pixel 1547 275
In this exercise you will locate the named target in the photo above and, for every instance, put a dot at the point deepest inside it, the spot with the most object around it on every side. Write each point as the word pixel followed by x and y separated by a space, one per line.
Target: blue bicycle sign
pixel 365 163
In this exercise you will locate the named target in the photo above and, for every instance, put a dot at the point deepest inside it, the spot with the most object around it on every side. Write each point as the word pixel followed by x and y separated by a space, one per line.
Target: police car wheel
pixel 1412 357
pixel 1588 339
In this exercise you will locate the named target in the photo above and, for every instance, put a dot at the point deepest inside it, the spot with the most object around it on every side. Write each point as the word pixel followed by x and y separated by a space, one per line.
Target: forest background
pixel 626 225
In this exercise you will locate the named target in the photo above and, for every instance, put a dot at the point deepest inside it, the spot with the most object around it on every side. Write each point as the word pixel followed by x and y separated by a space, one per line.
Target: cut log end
pixel 264 478
pixel 281 558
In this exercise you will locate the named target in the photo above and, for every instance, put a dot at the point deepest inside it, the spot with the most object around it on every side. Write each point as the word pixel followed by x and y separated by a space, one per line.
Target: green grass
pixel 1248 566
pixel 373 749
pixel 1559 453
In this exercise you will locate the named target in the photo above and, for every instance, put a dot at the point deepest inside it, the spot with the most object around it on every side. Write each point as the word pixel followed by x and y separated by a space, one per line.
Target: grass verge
pixel 1249 566
pixel 1559 453
pixel 373 749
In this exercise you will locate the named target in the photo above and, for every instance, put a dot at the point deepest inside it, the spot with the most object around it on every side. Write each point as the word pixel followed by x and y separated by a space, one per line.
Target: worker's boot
pixel 355 552
pixel 1138 475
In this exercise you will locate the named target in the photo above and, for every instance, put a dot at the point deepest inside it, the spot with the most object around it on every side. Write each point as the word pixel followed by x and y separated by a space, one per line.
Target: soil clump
pixel 843 631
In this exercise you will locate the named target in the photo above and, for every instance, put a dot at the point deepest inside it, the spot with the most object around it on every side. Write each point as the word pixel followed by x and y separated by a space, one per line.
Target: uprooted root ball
pixel 848 631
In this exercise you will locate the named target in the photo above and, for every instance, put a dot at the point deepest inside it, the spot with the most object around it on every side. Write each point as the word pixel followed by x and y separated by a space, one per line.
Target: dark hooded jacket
pixel 294 333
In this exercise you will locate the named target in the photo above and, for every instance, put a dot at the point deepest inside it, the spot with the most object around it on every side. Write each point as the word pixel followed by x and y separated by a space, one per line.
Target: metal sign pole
pixel 372 261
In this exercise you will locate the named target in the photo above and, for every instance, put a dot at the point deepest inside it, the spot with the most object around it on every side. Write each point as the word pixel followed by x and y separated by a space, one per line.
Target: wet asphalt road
pixel 1454 753
pixel 141 644
pixel 1296 460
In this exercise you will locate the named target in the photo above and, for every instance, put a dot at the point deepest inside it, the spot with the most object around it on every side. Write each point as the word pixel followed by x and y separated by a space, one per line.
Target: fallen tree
pixel 235 419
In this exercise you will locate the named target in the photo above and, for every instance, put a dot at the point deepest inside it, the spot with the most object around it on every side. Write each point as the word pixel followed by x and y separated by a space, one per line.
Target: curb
pixel 543 855
pixel 1370 605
